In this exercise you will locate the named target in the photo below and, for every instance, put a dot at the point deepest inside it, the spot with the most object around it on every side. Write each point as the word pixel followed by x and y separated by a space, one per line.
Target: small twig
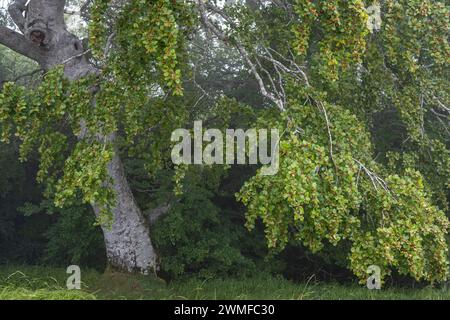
pixel 76 56
pixel 108 44
pixel 374 178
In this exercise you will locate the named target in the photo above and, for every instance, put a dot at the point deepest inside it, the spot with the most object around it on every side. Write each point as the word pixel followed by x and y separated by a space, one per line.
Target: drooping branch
pixel 271 82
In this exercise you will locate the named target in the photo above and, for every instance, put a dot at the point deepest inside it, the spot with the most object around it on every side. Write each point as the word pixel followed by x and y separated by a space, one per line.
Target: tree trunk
pixel 46 40
pixel 128 244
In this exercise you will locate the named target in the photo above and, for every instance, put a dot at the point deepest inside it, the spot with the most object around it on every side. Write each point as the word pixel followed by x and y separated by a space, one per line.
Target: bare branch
pixel 441 105
pixel 374 178
pixel 242 50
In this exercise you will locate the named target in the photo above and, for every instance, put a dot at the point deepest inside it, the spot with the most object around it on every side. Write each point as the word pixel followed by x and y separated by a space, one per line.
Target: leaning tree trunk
pixel 45 39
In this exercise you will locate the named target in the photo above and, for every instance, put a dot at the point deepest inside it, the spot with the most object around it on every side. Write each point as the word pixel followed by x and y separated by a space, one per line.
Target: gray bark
pixel 46 40
pixel 128 244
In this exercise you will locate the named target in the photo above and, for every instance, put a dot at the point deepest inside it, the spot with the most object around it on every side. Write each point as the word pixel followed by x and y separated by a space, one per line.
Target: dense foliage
pixel 364 160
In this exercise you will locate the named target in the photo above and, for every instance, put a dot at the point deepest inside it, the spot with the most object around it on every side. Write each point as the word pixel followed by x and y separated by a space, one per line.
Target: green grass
pixel 27 282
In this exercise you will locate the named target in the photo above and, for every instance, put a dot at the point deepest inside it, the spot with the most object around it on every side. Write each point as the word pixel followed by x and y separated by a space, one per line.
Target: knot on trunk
pixel 38 33
pixel 39 20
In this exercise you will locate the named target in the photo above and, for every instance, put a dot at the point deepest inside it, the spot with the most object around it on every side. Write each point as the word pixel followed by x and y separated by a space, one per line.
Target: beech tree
pixel 325 72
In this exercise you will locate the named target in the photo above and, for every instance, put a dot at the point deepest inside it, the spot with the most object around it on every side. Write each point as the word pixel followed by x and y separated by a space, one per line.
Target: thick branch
pixel 16 10
pixel 17 42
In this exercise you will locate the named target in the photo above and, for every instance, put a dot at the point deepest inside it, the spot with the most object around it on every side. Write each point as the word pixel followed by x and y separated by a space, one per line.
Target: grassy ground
pixel 27 282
